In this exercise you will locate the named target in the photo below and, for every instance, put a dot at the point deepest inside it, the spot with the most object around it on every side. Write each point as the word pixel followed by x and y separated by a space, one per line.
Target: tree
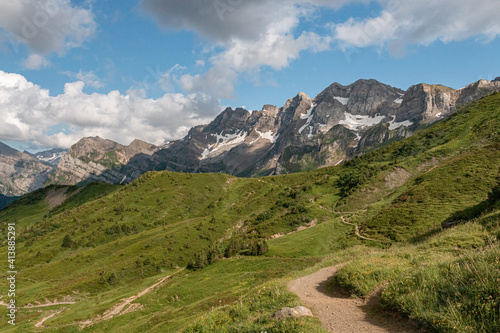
pixel 199 261
pixel 67 241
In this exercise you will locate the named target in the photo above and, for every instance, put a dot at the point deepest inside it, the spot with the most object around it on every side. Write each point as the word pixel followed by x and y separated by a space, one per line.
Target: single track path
pixel 340 313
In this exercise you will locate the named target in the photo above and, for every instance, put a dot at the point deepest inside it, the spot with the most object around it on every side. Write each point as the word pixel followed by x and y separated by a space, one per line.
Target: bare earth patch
pixel 340 313
pixel 56 197
pixel 397 178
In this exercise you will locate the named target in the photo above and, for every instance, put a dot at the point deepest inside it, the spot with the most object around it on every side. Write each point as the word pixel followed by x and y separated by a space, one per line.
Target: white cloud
pixel 89 78
pixel 422 22
pixel 47 26
pixel 30 114
pixel 224 20
pixel 35 62
pixel 252 34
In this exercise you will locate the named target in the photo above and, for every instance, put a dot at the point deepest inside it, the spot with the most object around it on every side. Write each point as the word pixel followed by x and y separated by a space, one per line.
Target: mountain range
pixel 304 134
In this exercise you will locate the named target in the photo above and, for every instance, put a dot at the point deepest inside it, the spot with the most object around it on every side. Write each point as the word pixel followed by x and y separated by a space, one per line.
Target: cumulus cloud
pixel 89 78
pixel 35 61
pixel 224 20
pixel 422 22
pixel 252 34
pixel 257 33
pixel 47 26
pixel 30 114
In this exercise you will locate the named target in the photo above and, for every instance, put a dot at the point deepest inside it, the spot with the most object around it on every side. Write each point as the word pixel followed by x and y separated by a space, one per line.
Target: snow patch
pixel 357 122
pixel 395 125
pixel 222 139
pixel 309 116
pixel 439 115
pixel 398 101
pixel 51 158
pixel 269 136
pixel 224 142
pixel 342 100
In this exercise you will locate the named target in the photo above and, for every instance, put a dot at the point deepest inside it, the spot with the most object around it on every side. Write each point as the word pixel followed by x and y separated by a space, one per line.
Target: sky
pixel 152 69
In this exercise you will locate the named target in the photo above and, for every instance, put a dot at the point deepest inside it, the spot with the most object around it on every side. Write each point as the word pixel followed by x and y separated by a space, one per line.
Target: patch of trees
pixel 355 173
pixel 237 245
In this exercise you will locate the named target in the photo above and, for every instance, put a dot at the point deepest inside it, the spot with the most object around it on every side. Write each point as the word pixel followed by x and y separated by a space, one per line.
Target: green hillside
pixel 230 245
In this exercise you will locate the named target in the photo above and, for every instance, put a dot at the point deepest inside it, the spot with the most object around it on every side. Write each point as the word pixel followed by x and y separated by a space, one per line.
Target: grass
pixel 460 295
pixel 253 314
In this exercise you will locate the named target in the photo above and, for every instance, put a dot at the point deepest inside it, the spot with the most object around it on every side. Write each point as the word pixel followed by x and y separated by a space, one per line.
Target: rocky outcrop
pixel 424 104
pixel 477 90
pixel 20 173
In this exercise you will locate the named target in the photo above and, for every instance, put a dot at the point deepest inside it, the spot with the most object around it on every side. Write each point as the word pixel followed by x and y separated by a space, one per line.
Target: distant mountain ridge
pixel 306 133
pixel 97 159
pixel 303 134
pixel 20 173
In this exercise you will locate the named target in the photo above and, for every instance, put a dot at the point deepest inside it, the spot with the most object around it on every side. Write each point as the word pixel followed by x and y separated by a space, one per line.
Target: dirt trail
pixel 340 313
pixel 117 308
pixel 356 230
pixel 30 306
pixel 356 227
pixel 40 323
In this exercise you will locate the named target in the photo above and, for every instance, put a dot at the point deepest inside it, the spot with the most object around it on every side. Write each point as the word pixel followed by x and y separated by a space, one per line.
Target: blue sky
pixel 151 69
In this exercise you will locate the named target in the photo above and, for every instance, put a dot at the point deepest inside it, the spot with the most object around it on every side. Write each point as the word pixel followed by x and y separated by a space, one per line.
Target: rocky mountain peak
pixel 297 106
pixel 294 102
pixel 229 118
pixel 271 110
pixel 88 144
pixel 368 97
